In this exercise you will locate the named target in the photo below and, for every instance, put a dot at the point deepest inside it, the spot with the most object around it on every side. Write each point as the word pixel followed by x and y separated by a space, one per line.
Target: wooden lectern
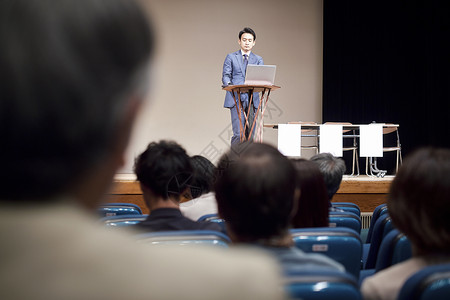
pixel 250 89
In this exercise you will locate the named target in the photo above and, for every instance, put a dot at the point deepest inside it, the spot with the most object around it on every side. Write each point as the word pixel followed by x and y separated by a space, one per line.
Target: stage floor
pixel 367 192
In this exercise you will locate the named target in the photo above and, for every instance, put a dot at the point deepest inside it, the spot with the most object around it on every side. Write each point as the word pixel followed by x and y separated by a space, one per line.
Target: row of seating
pixel 113 209
pixel 340 243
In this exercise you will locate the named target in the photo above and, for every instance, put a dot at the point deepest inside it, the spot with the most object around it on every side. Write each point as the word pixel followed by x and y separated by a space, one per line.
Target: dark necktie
pixel 245 62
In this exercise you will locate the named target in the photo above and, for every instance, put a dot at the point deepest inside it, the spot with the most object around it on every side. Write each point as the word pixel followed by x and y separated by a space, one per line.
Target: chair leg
pixel 355 161
pixel 396 163
pixel 367 167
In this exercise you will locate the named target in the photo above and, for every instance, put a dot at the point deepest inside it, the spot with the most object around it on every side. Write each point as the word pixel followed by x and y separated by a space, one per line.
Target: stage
pixel 367 192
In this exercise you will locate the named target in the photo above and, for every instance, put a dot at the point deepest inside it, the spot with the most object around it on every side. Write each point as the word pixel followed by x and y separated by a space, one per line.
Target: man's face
pixel 246 42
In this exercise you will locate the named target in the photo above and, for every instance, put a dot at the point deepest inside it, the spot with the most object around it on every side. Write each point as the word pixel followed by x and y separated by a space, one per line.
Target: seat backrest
pixel 122 220
pixel 305 123
pixel 214 218
pixel 348 206
pixel 345 219
pixel 339 123
pixel 115 209
pixel 209 217
pixel 381 228
pixel 340 243
pixel 321 285
pixel 395 247
pixel 185 237
pixel 430 283
pixel 377 212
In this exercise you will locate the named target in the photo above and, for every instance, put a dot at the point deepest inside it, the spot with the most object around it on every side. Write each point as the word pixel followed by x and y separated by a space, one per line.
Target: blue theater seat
pixel 377 212
pixel 185 237
pixel 312 285
pixel 341 244
pixel 116 209
pixel 380 229
pixel 214 218
pixel 394 249
pixel 348 206
pixel 345 219
pixel 122 220
pixel 430 283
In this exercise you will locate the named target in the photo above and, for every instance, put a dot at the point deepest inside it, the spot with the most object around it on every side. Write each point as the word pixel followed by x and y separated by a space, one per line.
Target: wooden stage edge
pixel 367 192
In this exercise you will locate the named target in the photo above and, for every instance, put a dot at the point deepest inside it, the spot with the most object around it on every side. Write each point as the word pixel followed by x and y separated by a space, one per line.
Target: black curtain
pixel 389 62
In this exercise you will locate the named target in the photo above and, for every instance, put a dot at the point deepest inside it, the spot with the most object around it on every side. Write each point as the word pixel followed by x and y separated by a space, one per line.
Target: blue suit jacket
pixel 234 73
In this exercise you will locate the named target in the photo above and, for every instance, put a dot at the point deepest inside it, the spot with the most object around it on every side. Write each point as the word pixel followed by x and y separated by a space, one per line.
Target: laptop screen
pixel 260 74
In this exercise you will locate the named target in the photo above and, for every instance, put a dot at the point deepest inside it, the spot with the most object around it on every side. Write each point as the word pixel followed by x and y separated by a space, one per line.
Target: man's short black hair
pixel 68 69
pixel 165 169
pixel 204 176
pixel 247 30
pixel 255 190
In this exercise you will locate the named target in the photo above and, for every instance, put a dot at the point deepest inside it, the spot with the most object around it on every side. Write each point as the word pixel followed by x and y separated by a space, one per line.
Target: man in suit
pixel 234 69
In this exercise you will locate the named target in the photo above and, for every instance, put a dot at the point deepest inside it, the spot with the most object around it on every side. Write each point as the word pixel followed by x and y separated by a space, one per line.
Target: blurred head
pixel 204 176
pixel 73 75
pixel 313 205
pixel 165 169
pixel 419 200
pixel 332 168
pixel 255 191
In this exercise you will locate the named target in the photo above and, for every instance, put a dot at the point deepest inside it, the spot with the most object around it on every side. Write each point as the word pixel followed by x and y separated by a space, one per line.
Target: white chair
pixel 309 135
pixel 353 148
pixel 372 161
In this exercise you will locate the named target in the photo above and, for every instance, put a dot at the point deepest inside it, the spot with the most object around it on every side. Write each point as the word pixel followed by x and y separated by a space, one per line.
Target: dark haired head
pixel 247 30
pixel 68 70
pixel 204 175
pixel 419 200
pixel 313 204
pixel 255 191
pixel 165 169
pixel 332 168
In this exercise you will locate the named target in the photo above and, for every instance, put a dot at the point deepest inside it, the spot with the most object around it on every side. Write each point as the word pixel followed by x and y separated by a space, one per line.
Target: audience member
pixel 256 195
pixel 165 173
pixel 204 200
pixel 73 76
pixel 419 205
pixel 312 210
pixel 333 169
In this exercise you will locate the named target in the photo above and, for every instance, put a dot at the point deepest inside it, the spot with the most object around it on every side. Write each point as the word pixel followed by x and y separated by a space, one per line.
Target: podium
pixel 255 125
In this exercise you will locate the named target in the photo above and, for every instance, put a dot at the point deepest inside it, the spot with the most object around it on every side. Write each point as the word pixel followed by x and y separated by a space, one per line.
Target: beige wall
pixel 186 100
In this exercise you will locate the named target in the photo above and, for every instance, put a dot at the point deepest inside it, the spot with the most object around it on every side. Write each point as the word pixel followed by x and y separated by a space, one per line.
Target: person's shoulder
pixel 259 57
pixel 390 280
pixel 232 54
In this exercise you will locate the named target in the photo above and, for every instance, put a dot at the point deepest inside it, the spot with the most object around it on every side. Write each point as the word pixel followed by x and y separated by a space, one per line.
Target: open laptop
pixel 260 74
